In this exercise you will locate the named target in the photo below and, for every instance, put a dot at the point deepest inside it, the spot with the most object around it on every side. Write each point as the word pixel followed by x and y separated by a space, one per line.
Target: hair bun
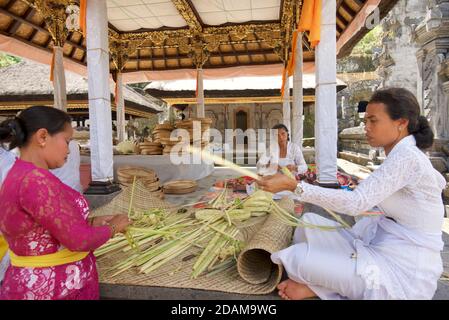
pixel 423 133
pixel 12 131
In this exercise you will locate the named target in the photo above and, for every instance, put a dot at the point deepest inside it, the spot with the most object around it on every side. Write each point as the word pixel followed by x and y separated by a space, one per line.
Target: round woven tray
pixel 158 193
pixel 169 142
pixel 153 187
pixel 180 187
pixel 127 174
pixel 163 126
pixel 150 153
pixel 153 183
pixel 151 149
pixel 162 135
pixel 149 144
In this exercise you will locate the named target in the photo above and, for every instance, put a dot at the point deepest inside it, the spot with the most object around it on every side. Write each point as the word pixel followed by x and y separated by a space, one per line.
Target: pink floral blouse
pixel 40 215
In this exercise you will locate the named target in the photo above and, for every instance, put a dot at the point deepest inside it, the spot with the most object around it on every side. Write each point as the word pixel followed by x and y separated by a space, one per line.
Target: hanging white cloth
pixel 392 256
pixel 69 173
pixel 7 160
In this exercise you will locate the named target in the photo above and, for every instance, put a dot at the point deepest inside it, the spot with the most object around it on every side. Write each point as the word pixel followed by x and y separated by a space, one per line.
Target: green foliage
pixel 7 60
pixel 372 39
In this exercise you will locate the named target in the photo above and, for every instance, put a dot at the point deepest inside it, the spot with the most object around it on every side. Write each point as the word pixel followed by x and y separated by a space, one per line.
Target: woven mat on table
pixel 262 235
pixel 142 200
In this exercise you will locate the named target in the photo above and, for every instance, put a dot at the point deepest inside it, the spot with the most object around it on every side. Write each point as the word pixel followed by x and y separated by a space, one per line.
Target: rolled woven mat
pixel 254 264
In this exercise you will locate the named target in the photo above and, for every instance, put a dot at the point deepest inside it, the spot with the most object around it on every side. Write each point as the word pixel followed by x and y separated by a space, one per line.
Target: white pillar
pixel 326 97
pixel 286 104
pixel 298 99
pixel 59 85
pixel 120 112
pixel 200 113
pixel 99 91
pixel 170 111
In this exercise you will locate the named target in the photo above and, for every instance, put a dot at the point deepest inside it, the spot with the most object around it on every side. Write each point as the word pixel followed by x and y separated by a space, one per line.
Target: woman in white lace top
pixel 395 255
pixel 286 153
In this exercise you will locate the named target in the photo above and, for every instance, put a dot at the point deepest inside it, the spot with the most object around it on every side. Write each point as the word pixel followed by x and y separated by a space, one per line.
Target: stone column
pixel 120 112
pixel 59 84
pixel 433 37
pixel 200 113
pixel 326 125
pixel 99 98
pixel 298 99
pixel 286 105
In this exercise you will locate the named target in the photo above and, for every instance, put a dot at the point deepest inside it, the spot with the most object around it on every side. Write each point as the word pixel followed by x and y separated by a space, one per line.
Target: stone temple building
pixel 415 55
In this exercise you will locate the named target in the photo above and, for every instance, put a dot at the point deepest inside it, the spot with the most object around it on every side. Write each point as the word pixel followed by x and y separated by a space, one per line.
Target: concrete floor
pixel 140 292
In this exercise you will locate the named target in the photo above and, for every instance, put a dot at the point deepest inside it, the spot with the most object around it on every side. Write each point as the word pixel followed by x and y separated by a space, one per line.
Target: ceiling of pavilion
pixel 158 35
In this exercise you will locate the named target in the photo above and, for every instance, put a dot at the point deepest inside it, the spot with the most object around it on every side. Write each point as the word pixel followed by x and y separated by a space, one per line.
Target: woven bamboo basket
pixel 180 187
pixel 126 174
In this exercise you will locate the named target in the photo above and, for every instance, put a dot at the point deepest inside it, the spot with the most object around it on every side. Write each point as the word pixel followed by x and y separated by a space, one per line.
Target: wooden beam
pixel 249 55
pixel 16 24
pixel 346 10
pixel 189 14
pixel 214 55
pixel 34 44
pixel 339 2
pixel 39 28
pixel 220 53
pixel 165 56
pixel 268 99
pixel 209 66
pixel 10 4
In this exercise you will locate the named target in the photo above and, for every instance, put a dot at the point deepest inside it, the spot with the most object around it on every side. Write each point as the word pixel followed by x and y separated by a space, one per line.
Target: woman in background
pixel 285 153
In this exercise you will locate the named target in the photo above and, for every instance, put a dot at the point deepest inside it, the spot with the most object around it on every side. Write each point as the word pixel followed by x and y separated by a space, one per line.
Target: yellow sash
pixel 48 260
pixel 3 247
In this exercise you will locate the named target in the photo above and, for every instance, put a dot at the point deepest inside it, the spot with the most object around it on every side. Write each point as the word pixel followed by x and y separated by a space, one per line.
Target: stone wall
pixel 397 63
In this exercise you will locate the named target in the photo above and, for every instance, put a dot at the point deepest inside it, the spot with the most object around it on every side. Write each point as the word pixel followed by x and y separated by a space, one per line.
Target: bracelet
pixel 299 190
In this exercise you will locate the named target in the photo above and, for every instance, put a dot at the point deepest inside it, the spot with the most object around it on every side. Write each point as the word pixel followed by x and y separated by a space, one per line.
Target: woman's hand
pixel 101 221
pixel 278 182
pixel 119 223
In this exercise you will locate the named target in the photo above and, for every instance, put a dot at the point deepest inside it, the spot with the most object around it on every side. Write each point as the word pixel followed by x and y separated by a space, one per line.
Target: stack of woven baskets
pixel 150 148
pixel 148 177
pixel 168 144
pixel 162 131
pixel 203 136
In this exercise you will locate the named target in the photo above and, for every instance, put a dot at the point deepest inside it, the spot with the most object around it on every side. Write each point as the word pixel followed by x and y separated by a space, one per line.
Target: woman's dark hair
pixel 402 104
pixel 18 130
pixel 282 126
